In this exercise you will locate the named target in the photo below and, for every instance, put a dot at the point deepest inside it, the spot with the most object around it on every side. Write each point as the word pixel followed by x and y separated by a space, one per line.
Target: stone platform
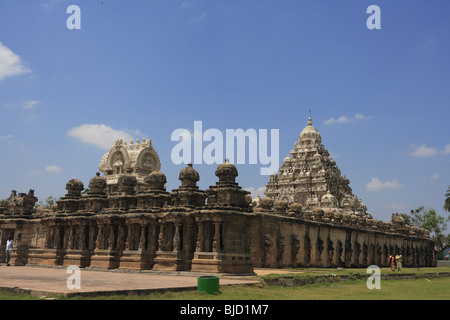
pixel 47 281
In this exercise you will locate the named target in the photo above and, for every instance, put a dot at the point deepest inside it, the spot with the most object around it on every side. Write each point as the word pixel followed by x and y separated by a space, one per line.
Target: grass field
pixel 417 289
pixel 414 289
pixel 347 271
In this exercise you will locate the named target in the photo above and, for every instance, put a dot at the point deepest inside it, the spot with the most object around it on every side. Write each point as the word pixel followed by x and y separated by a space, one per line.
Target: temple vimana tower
pixel 311 178
pixel 309 217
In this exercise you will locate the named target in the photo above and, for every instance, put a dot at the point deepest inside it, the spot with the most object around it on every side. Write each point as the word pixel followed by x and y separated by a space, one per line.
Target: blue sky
pixel 141 69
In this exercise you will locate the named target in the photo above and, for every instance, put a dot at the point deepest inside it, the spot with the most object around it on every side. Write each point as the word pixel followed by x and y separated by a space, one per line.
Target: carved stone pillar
pixel 176 237
pixel 152 238
pixel 200 241
pixel 112 238
pixel 161 237
pixel 141 246
pixel 121 241
pixel 92 236
pixel 58 237
pixel 82 239
pixel 216 242
pixel 99 240
pixel 128 242
pixel 69 234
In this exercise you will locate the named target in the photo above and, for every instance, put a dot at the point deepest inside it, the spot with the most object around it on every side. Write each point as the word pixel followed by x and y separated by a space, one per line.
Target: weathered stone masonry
pixel 128 220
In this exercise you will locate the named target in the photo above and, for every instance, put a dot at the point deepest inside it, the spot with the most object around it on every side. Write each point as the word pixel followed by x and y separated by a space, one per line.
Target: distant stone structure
pixel 127 219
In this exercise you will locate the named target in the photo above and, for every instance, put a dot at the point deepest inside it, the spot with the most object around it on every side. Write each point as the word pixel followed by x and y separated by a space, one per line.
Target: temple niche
pixel 137 159
pixel 310 177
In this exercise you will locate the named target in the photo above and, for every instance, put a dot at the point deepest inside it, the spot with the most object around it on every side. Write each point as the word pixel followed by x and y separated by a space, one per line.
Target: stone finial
pixel 226 172
pixel 74 188
pixel 188 194
pixel 97 185
pixel 156 180
pixel 189 176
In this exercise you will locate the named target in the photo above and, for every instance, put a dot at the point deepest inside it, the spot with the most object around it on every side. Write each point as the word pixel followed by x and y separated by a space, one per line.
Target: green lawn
pixel 415 289
pixel 418 289
pixel 385 270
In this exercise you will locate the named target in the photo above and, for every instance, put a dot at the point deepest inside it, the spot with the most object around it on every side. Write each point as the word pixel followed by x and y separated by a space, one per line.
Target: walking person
pixel 9 248
pixel 392 262
pixel 399 259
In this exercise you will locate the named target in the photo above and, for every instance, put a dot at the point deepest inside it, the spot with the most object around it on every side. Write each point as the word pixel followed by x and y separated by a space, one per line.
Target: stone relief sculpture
pixel 280 248
pixel 330 250
pixel 295 247
pixel 307 249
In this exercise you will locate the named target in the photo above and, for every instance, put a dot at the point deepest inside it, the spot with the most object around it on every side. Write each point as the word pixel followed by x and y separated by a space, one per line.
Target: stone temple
pixel 311 178
pixel 128 220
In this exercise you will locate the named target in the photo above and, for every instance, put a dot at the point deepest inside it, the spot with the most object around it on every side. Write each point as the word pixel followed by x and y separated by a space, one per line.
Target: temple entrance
pixel 5 233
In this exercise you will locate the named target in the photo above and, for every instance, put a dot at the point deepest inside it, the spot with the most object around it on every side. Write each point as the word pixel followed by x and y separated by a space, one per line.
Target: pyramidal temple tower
pixel 310 177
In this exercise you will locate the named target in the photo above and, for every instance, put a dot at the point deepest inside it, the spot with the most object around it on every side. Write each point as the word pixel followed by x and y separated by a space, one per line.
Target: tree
pixel 48 202
pixel 447 200
pixel 428 219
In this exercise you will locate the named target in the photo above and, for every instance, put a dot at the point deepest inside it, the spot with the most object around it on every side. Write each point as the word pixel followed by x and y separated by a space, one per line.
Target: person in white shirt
pixel 9 247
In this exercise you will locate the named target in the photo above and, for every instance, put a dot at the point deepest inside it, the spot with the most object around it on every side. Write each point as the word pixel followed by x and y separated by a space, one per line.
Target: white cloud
pixel 9 139
pixel 376 185
pixel 434 177
pixel 186 4
pixel 27 108
pixel 10 63
pixel 424 151
pixel 29 105
pixel 361 116
pixel 6 137
pixel 100 135
pixel 344 119
pixel 447 148
pixel 53 169
pixel 201 17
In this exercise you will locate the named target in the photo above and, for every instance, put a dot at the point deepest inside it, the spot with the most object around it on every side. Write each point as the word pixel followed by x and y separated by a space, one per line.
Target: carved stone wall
pixel 213 230
pixel 279 241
